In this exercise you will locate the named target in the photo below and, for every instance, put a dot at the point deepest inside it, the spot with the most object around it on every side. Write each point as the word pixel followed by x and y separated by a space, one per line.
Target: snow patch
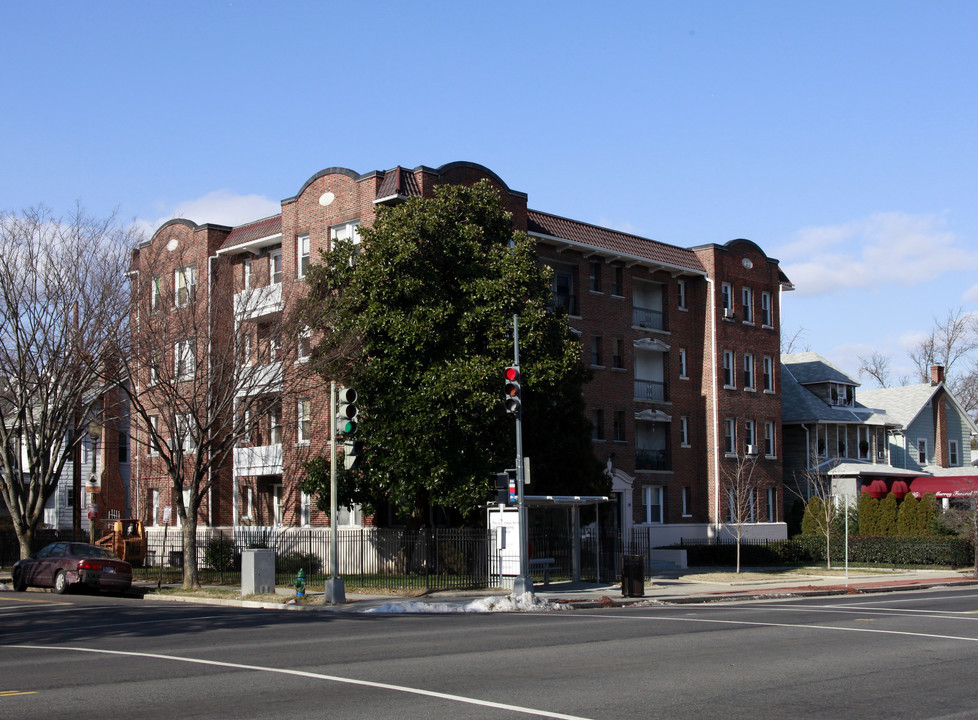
pixel 527 602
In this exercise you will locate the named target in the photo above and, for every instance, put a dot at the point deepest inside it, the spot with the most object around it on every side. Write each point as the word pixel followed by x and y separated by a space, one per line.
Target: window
pixel 305 344
pixel 728 368
pixel 726 299
pixel 683 369
pixel 747 296
pixel 769 438
pixel 862 436
pixel 246 273
pixel 596 350
pixel 743 514
pixel 123 445
pixel 184 434
pixel 684 431
pixel 278 507
pixel 652 504
pixel 185 284
pixel 154 434
pixel 154 368
pixel 821 440
pixel 952 452
pixel 749 435
pixel 729 436
pixel 768 374
pixel 922 451
pixel 687 502
pixel 346 231
pixel 842 440
pixel 618 286
pixel 244 347
pixel 157 299
pixel 618 354
pixel 563 291
pixel 154 506
pixel 595 277
pixel 184 360
pixel 766 309
pixel 305 508
pixel 275 266
pixel 619 426
pixel 302 254
pixel 275 424
pixel 305 421
pixel 748 371
pixel 597 420
pixel 681 300
pixel 275 347
pixel 771 517
pixel 249 503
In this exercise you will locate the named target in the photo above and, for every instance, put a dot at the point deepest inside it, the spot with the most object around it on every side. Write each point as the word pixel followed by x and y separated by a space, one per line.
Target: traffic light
pixel 512 390
pixel 500 487
pixel 346 412
pixel 352 450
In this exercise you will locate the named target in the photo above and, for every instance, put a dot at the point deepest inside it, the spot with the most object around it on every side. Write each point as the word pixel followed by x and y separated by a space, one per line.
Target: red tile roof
pixel 253 231
pixel 612 241
pixel 398 182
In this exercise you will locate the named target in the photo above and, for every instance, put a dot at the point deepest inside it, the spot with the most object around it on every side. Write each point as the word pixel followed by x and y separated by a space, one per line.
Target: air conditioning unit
pixel 753 450
pixel 728 313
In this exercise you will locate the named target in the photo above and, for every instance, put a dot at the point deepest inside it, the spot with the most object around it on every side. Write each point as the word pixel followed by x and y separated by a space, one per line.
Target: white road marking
pixel 315 676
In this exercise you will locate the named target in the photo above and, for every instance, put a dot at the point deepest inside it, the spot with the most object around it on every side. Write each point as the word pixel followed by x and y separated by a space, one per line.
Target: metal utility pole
pixel 523 583
pixel 334 592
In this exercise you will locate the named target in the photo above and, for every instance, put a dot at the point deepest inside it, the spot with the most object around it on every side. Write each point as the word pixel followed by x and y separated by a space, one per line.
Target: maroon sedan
pixel 62 564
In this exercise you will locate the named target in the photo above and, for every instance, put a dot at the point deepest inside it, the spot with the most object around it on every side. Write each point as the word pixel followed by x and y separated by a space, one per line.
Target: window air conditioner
pixel 728 313
pixel 753 450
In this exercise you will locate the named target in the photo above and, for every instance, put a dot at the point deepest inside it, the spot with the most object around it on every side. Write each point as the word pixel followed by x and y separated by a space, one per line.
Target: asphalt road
pixel 894 655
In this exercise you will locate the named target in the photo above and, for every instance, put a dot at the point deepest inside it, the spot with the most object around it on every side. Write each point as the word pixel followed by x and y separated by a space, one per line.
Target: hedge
pixel 871 549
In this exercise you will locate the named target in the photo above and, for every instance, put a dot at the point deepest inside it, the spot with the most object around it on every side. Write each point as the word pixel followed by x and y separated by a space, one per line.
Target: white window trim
pixel 304 429
pixel 747 298
pixel 953 453
pixel 302 254
pixel 275 258
pixel 647 493
pixel 926 453
pixel 749 372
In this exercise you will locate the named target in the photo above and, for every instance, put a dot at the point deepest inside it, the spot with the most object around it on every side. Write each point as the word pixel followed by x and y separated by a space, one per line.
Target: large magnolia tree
pixel 62 305
pixel 424 315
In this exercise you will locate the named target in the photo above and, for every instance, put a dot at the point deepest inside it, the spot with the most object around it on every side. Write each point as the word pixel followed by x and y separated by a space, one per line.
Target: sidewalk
pixel 696 585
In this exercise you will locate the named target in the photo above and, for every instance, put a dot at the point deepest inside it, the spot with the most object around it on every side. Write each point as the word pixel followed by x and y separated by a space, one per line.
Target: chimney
pixel 936 374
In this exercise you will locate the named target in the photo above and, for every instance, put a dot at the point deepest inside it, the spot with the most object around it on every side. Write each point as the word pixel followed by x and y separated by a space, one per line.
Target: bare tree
pixel 876 366
pixel 62 302
pixel 953 338
pixel 793 343
pixel 742 483
pixel 203 373
pixel 815 491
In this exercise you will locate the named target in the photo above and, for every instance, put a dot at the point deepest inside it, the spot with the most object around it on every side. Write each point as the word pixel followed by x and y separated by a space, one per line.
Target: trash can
pixel 632 576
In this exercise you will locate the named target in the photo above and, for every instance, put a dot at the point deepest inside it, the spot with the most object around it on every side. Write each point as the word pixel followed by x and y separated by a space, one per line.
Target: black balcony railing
pixel 650 390
pixel 648 318
pixel 652 459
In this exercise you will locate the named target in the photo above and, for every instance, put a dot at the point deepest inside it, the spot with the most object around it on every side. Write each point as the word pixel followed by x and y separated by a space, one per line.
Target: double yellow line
pixel 11 693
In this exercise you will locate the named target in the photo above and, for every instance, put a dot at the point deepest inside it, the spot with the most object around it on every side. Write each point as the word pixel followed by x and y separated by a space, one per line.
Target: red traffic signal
pixel 512 390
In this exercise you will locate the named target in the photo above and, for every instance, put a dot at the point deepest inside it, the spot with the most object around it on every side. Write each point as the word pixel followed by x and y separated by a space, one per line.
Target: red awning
pixel 876 489
pixel 900 489
pixel 962 486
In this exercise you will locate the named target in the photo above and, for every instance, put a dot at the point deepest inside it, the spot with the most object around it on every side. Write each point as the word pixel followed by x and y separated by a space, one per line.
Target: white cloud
pixel 220 207
pixel 883 249
pixel 971 294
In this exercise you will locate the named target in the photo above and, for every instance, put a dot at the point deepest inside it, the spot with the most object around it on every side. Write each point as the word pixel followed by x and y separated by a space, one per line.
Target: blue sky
pixel 841 137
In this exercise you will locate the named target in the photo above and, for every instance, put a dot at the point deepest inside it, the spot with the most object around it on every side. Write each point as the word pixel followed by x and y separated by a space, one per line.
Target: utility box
pixel 257 572
pixel 632 576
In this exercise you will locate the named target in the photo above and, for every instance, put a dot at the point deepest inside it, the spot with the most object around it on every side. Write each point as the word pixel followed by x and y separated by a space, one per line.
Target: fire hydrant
pixel 300 584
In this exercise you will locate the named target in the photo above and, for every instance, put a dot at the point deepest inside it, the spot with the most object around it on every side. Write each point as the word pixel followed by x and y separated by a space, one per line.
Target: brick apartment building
pixel 684 344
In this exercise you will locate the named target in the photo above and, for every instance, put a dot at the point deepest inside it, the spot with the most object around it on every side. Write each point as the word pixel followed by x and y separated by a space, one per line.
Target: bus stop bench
pixel 545 564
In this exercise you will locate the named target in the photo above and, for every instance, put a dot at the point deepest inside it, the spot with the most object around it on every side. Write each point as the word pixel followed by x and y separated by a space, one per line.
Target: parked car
pixel 63 564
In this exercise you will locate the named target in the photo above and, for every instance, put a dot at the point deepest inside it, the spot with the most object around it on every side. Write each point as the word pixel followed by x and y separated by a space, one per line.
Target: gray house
pixel 915 438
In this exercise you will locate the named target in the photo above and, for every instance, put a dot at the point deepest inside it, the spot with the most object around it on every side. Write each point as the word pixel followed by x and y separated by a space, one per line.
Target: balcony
pixel 648 318
pixel 260 380
pixel 652 459
pixel 258 460
pixel 650 390
pixel 257 303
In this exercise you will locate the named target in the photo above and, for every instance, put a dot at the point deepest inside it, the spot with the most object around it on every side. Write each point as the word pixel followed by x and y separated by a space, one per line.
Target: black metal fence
pixel 377 558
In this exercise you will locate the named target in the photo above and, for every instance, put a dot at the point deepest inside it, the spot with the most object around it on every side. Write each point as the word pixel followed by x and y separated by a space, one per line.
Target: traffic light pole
pixel 523 582
pixel 334 590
